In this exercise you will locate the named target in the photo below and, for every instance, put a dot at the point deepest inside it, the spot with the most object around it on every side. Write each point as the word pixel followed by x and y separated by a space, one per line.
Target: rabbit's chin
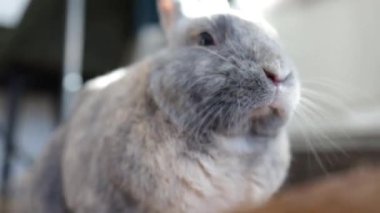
pixel 266 122
pixel 262 122
pixel 261 112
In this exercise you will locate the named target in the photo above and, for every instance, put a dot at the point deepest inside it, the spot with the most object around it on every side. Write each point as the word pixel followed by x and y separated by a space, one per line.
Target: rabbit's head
pixel 222 73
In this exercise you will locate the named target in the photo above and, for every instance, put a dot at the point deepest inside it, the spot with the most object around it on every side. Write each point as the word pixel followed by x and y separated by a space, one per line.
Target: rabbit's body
pixel 189 130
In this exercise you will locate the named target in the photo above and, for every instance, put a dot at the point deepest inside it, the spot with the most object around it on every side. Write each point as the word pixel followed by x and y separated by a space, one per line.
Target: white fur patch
pixel 105 80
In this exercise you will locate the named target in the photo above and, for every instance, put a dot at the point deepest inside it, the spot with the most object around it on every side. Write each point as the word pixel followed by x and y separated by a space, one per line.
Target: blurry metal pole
pixel 16 84
pixel 73 53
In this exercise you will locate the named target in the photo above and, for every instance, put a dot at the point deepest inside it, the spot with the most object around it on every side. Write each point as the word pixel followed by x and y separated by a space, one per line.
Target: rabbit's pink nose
pixel 272 77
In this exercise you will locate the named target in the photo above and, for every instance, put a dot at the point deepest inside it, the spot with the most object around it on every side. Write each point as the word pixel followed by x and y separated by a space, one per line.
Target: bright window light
pixel 256 6
pixel 11 12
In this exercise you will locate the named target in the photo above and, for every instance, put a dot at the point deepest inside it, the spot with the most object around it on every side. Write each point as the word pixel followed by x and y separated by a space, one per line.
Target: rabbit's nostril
pixel 272 76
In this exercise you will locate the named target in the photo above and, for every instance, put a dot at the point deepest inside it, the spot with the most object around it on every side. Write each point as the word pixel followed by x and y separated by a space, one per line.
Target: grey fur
pixel 157 139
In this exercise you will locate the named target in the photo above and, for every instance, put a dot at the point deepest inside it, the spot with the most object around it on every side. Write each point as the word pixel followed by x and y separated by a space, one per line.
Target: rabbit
pixel 198 127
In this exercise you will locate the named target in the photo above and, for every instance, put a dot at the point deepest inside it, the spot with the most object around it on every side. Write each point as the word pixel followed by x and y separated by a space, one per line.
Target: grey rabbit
pixel 198 127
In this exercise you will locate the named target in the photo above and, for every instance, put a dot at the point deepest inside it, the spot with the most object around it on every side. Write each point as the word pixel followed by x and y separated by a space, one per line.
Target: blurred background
pixel 49 48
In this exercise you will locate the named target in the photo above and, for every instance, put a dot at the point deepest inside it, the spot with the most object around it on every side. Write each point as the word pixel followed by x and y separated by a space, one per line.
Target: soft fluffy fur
pixel 192 129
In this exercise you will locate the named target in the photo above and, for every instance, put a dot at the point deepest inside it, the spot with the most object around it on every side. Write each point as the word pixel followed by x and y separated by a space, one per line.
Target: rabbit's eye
pixel 205 39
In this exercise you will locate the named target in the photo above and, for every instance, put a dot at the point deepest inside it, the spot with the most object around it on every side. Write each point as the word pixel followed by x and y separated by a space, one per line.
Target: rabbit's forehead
pixel 241 19
pixel 237 29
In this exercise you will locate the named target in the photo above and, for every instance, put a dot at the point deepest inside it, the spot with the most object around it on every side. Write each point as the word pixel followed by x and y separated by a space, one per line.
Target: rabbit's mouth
pixel 271 109
pixel 261 112
pixel 266 121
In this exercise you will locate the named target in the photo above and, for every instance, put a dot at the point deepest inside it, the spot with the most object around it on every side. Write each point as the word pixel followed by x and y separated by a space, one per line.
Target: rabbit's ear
pixel 171 11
